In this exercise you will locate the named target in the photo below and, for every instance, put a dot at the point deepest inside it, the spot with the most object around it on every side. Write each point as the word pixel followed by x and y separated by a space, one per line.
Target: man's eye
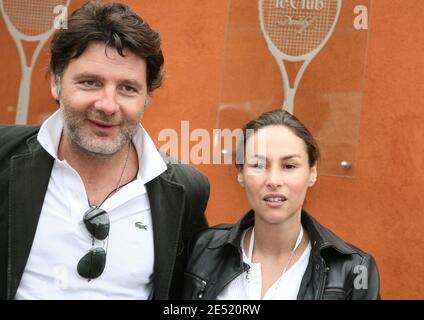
pixel 89 83
pixel 129 89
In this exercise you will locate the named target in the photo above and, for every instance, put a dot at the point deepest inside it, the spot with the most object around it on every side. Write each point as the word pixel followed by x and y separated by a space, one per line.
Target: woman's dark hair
pixel 278 118
pixel 117 26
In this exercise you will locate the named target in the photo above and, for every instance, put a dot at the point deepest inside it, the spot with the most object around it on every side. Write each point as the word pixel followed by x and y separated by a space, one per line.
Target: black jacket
pixel 177 197
pixel 336 270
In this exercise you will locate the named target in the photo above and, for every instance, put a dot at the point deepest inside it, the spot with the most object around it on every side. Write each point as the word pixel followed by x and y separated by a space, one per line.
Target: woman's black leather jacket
pixel 336 270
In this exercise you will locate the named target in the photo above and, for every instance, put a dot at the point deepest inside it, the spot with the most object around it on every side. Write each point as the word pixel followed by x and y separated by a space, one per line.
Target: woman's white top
pixel 248 285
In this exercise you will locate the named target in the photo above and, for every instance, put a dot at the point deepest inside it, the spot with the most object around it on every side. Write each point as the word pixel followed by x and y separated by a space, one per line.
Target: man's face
pixel 103 96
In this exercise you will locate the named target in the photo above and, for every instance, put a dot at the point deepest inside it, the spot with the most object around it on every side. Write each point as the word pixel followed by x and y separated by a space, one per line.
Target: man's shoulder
pixel 183 173
pixel 17 131
pixel 14 135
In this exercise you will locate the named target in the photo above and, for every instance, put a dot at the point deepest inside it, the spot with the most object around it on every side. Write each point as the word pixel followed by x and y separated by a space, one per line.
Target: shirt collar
pixel 150 161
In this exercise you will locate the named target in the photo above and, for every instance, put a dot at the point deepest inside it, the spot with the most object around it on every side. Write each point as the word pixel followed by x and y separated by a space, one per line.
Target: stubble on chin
pixel 87 142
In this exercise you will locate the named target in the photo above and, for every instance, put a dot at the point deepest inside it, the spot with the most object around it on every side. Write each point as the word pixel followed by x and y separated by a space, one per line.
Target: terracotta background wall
pixel 379 210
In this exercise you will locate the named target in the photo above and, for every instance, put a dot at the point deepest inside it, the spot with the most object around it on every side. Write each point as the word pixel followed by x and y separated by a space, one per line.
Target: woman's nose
pixel 275 178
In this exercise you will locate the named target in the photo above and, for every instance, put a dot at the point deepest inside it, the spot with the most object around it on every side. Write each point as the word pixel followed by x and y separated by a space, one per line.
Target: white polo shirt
pixel 61 239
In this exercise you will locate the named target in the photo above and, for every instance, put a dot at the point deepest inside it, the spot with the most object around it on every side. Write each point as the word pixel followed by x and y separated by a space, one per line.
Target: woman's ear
pixel 313 176
pixel 240 178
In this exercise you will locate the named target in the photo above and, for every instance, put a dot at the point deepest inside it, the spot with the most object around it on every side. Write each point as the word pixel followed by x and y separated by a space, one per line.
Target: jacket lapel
pixel 167 203
pixel 29 178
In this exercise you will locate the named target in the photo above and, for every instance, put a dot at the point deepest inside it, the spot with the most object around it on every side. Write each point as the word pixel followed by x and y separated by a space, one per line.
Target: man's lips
pixel 101 124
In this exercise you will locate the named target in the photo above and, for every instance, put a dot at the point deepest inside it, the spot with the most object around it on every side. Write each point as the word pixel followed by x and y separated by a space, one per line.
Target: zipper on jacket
pixel 203 285
pixel 201 293
pixel 245 268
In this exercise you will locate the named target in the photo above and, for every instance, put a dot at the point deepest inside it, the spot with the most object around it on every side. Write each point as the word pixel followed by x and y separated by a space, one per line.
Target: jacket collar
pixel 236 231
pixel 321 237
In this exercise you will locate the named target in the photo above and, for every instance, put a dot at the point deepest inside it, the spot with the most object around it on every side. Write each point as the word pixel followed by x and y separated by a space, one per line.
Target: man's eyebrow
pixel 91 75
pixel 86 75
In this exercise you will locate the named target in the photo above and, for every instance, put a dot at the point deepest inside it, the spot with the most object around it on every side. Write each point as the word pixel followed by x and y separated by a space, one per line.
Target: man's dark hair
pixel 117 26
pixel 278 117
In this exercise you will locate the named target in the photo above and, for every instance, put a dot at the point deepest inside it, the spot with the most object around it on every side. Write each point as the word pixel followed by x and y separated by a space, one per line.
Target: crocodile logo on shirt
pixel 140 225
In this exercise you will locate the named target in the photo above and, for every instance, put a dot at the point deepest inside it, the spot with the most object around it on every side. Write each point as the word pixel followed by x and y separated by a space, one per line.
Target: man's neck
pixel 78 157
pixel 100 173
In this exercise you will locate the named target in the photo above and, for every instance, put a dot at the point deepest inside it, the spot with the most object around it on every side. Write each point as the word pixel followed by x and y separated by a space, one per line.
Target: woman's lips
pixel 274 200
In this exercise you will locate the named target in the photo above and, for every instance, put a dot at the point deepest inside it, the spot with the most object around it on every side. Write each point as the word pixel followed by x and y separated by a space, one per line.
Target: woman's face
pixel 276 173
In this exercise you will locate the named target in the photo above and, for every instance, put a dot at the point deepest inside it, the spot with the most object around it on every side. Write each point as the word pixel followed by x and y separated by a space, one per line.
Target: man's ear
pixel 55 86
pixel 147 102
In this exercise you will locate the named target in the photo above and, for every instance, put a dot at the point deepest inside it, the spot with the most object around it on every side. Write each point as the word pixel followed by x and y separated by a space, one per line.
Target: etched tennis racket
pixel 32 21
pixel 296 31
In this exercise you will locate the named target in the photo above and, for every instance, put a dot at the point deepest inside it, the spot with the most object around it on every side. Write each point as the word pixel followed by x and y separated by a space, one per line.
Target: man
pixel 89 209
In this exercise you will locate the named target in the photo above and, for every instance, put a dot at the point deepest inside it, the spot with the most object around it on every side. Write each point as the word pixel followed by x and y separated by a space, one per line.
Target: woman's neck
pixel 275 239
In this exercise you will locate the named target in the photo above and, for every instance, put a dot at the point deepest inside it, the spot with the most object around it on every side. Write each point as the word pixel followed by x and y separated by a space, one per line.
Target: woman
pixel 277 250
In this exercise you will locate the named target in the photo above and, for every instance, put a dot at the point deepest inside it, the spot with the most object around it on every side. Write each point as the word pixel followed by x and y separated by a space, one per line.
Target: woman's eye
pixel 259 166
pixel 290 166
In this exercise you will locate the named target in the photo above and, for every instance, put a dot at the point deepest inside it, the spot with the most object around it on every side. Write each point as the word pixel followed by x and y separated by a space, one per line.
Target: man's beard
pixel 81 136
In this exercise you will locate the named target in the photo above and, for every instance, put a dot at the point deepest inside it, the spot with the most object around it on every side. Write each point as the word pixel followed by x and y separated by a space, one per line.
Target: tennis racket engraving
pixel 296 31
pixel 32 21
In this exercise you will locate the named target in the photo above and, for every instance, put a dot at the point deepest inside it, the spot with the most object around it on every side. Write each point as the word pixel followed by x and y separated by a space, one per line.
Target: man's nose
pixel 107 102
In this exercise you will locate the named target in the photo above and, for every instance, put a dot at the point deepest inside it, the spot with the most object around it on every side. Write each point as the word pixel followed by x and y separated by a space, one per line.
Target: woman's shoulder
pixel 214 236
pixel 325 239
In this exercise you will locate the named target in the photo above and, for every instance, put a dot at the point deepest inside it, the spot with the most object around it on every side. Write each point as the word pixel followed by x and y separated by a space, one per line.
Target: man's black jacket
pixel 178 198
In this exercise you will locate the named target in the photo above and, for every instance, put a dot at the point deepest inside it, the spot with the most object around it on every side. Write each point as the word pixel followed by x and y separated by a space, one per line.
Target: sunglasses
pixel 91 266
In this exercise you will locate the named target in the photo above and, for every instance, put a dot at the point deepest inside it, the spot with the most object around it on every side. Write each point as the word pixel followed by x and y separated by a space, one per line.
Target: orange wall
pixel 377 210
